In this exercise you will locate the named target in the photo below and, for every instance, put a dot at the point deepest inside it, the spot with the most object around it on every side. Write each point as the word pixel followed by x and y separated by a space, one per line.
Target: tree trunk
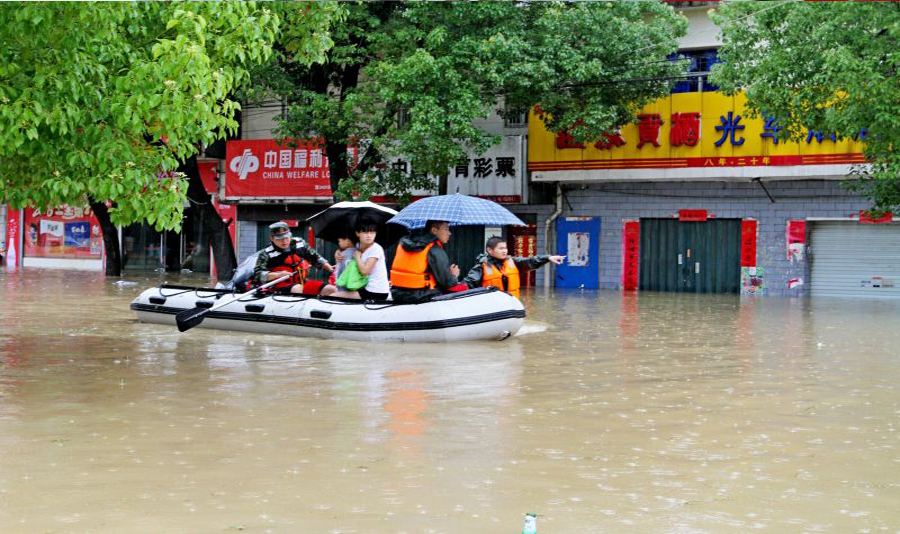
pixel 110 238
pixel 214 231
pixel 337 163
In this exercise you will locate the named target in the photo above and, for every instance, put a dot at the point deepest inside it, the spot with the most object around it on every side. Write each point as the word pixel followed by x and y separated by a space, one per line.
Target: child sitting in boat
pixel 370 260
pixel 342 258
pixel 497 268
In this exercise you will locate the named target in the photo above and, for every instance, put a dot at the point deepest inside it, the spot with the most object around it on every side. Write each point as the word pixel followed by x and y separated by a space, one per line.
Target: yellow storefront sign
pixel 690 130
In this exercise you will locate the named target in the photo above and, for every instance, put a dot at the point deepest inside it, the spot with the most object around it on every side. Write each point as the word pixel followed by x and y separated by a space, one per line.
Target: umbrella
pixel 332 221
pixel 456 209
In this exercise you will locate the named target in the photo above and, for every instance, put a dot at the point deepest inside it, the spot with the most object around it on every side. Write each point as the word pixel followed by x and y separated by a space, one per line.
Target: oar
pixel 190 318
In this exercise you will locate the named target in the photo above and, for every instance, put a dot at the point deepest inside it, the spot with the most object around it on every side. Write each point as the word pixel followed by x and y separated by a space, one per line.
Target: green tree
pixel 828 67
pixel 103 101
pixel 441 65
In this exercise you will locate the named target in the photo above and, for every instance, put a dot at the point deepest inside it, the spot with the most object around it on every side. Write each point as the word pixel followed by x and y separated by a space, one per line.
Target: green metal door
pixel 690 257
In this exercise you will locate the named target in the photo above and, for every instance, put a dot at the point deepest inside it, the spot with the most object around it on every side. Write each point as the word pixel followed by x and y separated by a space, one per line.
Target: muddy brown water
pixel 612 413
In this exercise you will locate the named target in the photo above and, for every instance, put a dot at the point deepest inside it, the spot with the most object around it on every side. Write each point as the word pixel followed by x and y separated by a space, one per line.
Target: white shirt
pixel 378 277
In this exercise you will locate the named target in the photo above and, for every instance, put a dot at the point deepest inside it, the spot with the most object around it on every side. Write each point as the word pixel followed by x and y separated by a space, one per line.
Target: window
pixel 515 118
pixel 701 62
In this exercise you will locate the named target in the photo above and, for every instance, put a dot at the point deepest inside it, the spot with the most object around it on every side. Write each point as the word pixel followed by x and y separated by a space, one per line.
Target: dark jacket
pixel 269 257
pixel 473 279
pixel 438 266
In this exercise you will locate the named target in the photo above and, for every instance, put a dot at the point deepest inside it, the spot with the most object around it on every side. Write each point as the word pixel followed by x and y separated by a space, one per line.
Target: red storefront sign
pixel 209 175
pixel 866 217
pixel 262 168
pixel 692 215
pixel 631 246
pixel 748 243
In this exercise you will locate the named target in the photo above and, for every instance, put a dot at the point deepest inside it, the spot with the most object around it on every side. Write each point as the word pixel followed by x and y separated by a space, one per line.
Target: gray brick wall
pixel 246 244
pixel 615 202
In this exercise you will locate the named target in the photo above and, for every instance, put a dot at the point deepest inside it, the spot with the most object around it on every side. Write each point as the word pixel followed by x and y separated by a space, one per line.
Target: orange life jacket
pixel 408 269
pixel 290 263
pixel 506 278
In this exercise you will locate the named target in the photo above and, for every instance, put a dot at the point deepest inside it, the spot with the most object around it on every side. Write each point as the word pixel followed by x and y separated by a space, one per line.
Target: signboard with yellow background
pixel 691 135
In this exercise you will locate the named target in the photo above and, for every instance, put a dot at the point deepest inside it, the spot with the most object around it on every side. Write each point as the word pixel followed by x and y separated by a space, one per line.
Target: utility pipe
pixel 553 216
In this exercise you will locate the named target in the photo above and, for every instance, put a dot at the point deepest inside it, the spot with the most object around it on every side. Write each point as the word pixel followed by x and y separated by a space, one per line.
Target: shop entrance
pixel 690 257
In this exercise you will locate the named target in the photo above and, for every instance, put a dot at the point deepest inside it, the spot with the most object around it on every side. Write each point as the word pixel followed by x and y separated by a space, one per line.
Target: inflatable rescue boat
pixel 476 314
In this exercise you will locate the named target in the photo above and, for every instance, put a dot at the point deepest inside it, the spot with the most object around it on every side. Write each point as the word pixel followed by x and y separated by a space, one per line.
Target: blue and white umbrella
pixel 457 210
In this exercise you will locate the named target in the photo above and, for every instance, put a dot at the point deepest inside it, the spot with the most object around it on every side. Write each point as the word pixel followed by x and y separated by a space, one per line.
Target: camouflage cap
pixel 278 229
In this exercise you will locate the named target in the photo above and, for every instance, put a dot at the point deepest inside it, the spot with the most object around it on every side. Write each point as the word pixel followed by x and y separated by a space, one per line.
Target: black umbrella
pixel 330 223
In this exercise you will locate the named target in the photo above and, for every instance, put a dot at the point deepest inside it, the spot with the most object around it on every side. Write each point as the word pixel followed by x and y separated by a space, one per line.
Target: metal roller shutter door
pixel 847 259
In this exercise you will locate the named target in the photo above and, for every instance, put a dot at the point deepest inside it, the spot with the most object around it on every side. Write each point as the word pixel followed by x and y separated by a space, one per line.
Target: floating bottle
pixel 530 526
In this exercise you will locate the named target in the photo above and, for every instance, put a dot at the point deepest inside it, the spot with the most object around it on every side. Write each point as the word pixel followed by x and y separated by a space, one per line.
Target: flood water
pixel 615 413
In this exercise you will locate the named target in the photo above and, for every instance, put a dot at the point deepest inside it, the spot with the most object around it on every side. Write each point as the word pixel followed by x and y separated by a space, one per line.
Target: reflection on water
pixel 612 412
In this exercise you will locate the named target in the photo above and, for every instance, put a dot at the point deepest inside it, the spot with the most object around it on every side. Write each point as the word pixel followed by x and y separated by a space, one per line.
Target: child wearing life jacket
pixel 498 269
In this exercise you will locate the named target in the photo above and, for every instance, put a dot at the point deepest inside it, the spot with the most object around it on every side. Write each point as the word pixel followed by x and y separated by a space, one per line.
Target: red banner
pixel 866 217
pixel 262 168
pixel 631 246
pixel 692 215
pixel 796 240
pixel 748 243
pixel 524 244
pixel 64 232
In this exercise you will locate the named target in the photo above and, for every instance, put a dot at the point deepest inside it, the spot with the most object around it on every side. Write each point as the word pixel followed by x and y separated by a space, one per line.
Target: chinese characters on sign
pixel 263 168
pixel 631 242
pixel 685 130
pixel 730 127
pixel 648 129
pixel 748 243
pixel 484 168
pixel 496 174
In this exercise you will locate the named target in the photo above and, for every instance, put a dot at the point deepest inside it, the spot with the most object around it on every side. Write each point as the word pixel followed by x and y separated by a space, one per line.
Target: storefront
pixel 856 259
pixel 64 237
pixel 697 197
pixel 69 237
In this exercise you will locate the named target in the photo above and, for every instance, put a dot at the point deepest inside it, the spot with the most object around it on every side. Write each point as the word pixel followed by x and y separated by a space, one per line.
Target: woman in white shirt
pixel 370 261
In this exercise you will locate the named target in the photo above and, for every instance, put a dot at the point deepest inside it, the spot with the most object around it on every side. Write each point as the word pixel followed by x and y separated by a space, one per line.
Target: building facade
pixel 696 196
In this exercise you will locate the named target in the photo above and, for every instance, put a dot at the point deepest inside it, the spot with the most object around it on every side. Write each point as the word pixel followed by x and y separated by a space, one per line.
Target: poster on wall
pixel 579 249
pixel 752 281
pixel 64 232
pixel 796 240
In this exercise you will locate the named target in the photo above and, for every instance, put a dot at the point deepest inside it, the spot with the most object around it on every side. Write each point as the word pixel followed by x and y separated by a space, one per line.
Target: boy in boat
pixel 286 255
pixel 496 268
pixel 422 268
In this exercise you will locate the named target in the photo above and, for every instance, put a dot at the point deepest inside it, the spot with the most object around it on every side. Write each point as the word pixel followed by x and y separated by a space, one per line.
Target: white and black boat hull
pixel 478 314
